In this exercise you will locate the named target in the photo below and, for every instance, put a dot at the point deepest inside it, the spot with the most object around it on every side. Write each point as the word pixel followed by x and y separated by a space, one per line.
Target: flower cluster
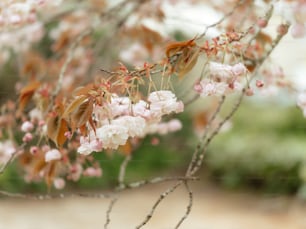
pixel 121 120
pixel 223 79
pixel 17 12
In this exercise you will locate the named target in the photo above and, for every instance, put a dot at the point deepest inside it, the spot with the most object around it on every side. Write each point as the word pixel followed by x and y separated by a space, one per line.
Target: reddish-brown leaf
pixel 81 114
pixel 56 128
pixel 26 94
pixel 74 105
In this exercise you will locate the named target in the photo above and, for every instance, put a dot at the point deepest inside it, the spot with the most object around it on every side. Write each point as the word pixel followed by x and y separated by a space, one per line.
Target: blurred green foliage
pixel 265 149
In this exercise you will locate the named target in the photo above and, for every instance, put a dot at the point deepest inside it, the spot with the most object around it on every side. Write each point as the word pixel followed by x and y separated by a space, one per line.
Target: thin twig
pixel 189 206
pixel 4 166
pixel 108 212
pixel 158 201
pixel 155 180
pixel 222 19
pixel 69 58
pixel 56 196
pixel 199 145
pixel 199 160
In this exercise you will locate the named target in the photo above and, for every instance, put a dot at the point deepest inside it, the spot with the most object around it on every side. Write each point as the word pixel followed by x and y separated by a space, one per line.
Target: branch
pixel 159 200
pixel 201 142
pixel 155 180
pixel 56 196
pixel 4 166
pixel 222 19
pixel 189 206
pixel 108 212
pixel 199 160
pixel 69 58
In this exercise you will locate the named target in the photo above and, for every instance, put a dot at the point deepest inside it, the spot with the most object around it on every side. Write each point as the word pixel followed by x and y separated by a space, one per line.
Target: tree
pixel 97 77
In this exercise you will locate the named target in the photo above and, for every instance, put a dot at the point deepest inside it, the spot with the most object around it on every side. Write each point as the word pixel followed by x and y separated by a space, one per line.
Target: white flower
pixel 7 149
pixel 239 69
pixel 210 88
pixel 52 155
pixel 174 125
pixel 112 135
pixel 87 147
pixel 135 125
pixel 59 183
pixel 120 106
pixel 164 102
pixel 220 71
pixel 27 126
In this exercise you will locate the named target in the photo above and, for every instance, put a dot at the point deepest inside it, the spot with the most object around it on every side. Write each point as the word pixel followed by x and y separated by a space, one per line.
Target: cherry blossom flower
pixel 7 149
pixel 112 135
pixel 27 137
pixel 59 183
pixel 164 102
pixel 92 172
pixel 135 125
pixel 27 126
pixel 209 88
pixel 52 155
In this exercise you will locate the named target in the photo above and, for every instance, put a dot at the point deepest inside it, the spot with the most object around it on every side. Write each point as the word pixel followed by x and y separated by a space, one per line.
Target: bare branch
pixel 5 165
pixel 159 200
pixel 56 196
pixel 201 142
pixel 203 149
pixel 155 180
pixel 108 212
pixel 222 19
pixel 189 206
pixel 69 58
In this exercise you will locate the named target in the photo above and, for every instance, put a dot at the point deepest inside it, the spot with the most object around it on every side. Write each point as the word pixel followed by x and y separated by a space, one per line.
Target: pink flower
pixel 220 71
pixel 52 155
pixel 120 106
pixel 210 88
pixel 7 149
pixel 27 137
pixel 59 183
pixel 93 172
pixel 27 126
pixel 164 102
pixel 239 69
pixel 174 125
pixel 112 136
pixel 135 125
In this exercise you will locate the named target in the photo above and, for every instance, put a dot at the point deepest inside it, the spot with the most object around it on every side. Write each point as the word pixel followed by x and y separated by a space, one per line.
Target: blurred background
pixel 254 174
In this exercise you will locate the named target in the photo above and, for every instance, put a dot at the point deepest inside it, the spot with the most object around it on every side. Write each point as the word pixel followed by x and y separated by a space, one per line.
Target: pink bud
pixel 282 29
pixel 239 69
pixel 27 137
pixel 198 88
pixel 34 150
pixel 262 23
pixel 155 141
pixel 249 92
pixel 259 83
